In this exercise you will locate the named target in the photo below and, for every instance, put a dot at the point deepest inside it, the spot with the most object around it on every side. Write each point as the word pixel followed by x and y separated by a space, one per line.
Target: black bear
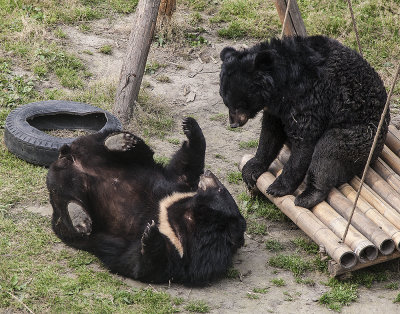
pixel 319 96
pixel 143 220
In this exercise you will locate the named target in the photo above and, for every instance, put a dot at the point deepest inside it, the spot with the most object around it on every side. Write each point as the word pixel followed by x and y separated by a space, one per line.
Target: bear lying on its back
pixel 321 97
pixel 143 220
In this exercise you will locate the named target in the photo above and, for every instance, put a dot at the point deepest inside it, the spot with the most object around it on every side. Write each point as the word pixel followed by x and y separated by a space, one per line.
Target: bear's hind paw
pixel 121 142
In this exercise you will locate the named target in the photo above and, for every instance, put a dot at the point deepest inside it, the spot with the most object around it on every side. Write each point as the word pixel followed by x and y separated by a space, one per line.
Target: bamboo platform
pixel 374 233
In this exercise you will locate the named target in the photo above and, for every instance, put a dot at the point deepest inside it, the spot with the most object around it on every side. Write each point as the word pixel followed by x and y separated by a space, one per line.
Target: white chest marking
pixel 164 226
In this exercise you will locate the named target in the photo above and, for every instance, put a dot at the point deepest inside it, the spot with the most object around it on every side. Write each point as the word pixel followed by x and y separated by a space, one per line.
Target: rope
pixel 355 27
pixel 285 18
pixel 378 130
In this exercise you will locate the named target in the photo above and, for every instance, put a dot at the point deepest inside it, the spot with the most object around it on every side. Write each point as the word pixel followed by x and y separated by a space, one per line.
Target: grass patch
pixel 258 228
pixel 397 299
pixel 341 293
pixel 273 245
pixel 153 66
pixel 220 156
pixel 279 282
pixel 242 18
pixel 151 117
pixel 106 49
pixel 261 290
pixel 306 245
pixel 163 79
pixel 48 278
pixel 292 262
pixel 392 286
pixel 197 307
pixel 252 296
pixel 249 144
pixel 234 177
pixel 232 273
pixel 221 117
pixel 174 141
pixel 162 160
pixel 259 206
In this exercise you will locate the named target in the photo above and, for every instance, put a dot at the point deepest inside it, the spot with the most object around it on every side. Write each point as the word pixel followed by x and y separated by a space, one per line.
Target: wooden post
pixel 135 60
pixel 294 23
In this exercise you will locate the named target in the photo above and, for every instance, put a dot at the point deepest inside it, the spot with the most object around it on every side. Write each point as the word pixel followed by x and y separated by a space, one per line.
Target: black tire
pixel 24 127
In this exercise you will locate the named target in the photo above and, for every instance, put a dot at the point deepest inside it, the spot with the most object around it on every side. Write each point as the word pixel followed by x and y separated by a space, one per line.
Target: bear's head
pixel 246 82
pixel 206 228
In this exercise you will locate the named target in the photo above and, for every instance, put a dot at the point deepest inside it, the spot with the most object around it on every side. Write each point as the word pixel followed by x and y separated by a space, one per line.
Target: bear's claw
pixel 80 219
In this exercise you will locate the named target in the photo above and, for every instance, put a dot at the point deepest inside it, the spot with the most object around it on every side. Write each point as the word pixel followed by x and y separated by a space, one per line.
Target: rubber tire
pixel 28 142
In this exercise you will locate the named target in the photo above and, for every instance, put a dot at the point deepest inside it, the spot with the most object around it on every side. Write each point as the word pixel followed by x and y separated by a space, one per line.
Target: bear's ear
pixel 226 53
pixel 264 59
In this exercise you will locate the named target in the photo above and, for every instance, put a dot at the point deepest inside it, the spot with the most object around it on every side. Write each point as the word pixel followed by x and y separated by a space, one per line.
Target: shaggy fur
pixel 321 97
pixel 144 220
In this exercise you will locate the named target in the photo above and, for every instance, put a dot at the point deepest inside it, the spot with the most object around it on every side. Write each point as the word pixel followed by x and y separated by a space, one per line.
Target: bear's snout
pixel 209 181
pixel 237 118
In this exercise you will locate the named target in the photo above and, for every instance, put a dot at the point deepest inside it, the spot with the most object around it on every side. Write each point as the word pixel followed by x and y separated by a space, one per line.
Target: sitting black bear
pixel 321 97
pixel 144 220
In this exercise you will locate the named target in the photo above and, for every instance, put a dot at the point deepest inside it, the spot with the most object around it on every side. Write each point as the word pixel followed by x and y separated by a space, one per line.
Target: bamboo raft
pixel 374 233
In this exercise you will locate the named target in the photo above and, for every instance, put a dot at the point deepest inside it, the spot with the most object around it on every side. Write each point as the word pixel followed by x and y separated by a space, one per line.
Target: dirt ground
pixel 194 90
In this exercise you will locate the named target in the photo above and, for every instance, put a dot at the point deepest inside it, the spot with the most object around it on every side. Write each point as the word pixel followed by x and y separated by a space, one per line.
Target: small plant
pixel 294 263
pixel 288 296
pixel 260 206
pixel 59 33
pixel 232 273
pixel 273 245
pixel 307 245
pixel 221 117
pixel 279 282
pixel 257 228
pixel 85 28
pixel 195 18
pixel 106 49
pixel 234 177
pixel 197 307
pixel 392 286
pixel 219 156
pixel 163 79
pixel 162 160
pixel 238 130
pixel 341 294
pixel 152 67
pixel 397 299
pixel 88 52
pixel 261 290
pixel 307 282
pixel 249 144
pixel 251 295
pixel 174 141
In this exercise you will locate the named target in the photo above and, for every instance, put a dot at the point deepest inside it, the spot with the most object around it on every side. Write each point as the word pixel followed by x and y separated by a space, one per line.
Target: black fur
pixel 321 97
pixel 120 189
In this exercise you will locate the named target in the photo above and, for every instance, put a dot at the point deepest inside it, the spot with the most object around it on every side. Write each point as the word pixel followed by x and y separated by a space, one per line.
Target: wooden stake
pixel 294 24
pixel 135 60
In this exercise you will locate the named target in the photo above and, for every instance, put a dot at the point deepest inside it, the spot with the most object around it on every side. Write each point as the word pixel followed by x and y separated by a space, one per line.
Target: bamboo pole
pixel 361 246
pixel 383 189
pixel 391 159
pixel 372 213
pixel 387 174
pixel 308 222
pixel 362 223
pixel 378 202
pixel 393 139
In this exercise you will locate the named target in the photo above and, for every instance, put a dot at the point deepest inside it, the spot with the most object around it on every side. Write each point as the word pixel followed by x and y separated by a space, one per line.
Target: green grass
pixel 163 79
pixel 252 296
pixel 279 282
pixel 257 228
pixel 259 206
pixel 153 66
pixel 306 245
pixel 341 293
pixel 232 273
pixel 106 49
pixel 274 245
pixel 197 307
pixel 397 299
pixel 248 144
pixel 297 265
pixel 261 290
pixel 392 286
pixel 49 278
pixel 162 160
pixel 221 117
pixel 234 177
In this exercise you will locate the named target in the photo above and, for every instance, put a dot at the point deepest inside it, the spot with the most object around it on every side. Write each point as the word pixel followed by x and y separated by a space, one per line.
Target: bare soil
pixel 194 90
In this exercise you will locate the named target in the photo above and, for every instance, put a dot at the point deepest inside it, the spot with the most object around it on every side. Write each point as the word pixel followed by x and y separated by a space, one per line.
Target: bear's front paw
pixel 150 238
pixel 121 142
pixel 280 187
pixel 192 129
pixel 251 171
